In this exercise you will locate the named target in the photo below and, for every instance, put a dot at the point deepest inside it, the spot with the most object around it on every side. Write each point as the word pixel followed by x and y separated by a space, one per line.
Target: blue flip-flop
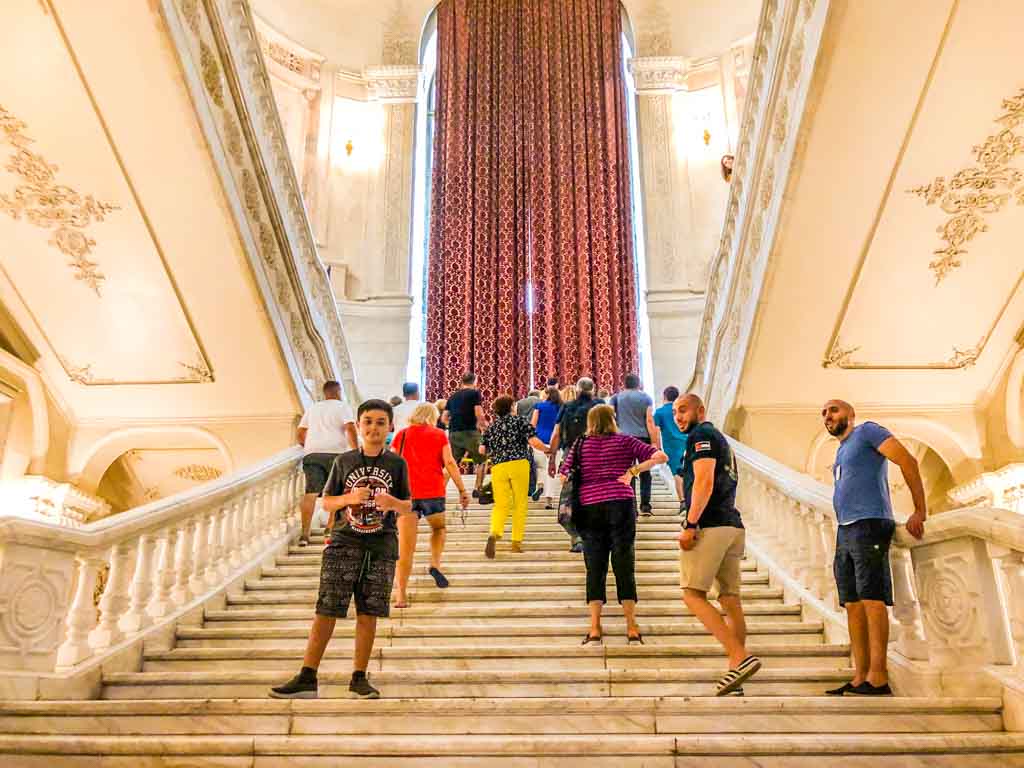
pixel 439 578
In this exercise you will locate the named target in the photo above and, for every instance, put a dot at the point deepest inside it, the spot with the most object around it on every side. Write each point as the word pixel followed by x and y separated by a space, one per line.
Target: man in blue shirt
pixel 634 415
pixel 673 441
pixel 866 526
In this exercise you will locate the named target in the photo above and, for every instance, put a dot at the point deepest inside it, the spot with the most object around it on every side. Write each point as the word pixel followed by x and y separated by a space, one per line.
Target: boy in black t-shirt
pixel 365 492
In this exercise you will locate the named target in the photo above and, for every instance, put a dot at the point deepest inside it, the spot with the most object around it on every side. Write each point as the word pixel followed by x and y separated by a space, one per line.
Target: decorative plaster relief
pixel 399 45
pixel 977 191
pixel 392 83
pixel 33 603
pixel 200 473
pixel 659 74
pixel 655 30
pixel 50 205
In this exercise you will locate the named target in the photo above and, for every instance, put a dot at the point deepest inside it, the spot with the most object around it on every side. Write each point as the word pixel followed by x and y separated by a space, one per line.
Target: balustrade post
pixel 115 599
pixel 802 551
pixel 270 498
pixel 232 539
pixel 181 593
pixel 816 554
pixel 164 579
pixel 287 497
pixel 1012 567
pixel 261 500
pixel 200 559
pixel 136 618
pixel 82 617
pixel 214 548
pixel 910 639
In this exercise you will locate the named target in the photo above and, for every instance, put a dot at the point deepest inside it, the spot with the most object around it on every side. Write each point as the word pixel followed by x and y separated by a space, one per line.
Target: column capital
pixel 659 75
pixel 393 84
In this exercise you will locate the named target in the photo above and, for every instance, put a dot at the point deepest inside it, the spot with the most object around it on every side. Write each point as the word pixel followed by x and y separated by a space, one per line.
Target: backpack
pixel 574 423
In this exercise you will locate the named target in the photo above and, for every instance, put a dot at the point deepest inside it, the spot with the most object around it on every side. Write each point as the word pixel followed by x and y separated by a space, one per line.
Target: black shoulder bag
pixel 569 498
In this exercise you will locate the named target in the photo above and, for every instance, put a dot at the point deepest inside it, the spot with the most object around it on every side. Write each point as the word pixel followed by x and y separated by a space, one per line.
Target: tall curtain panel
pixel 530 188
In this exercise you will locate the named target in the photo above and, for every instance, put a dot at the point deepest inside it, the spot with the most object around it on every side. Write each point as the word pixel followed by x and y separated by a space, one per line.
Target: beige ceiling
pixel 78 248
pixel 350 33
pixel 133 285
pixel 857 301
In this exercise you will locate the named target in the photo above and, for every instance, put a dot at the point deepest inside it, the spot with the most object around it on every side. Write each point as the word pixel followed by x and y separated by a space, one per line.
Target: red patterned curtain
pixel 530 187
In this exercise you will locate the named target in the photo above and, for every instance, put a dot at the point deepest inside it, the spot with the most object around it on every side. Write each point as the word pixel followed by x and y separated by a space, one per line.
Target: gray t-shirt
pixel 631 412
pixel 524 408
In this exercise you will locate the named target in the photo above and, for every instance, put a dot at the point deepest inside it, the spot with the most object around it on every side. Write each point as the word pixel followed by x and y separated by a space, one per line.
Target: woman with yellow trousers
pixel 507 443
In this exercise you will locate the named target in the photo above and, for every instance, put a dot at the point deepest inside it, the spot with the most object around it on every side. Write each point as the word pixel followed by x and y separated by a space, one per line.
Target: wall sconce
pixel 707 138
pixel 349 147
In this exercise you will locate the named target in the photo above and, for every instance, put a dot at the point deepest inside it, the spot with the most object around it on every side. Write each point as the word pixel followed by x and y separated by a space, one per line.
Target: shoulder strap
pixel 401 448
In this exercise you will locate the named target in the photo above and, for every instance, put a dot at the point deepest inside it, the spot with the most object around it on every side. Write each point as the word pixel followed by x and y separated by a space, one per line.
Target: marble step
pixel 418 635
pixel 551 564
pixel 546 716
pixel 491 656
pixel 497 683
pixel 555 613
pixel 304 590
pixel 664 553
pixel 608 751
pixel 535 546
pixel 459 581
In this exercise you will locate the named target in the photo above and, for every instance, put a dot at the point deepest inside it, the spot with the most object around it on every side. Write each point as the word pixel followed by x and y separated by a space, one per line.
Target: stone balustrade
pixel 56 608
pixel 958 592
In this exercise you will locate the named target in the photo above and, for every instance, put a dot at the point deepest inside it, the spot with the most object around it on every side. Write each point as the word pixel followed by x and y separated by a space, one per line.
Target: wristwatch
pixel 687 525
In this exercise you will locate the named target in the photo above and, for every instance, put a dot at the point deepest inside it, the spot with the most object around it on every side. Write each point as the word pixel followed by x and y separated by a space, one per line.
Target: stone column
pixel 676 275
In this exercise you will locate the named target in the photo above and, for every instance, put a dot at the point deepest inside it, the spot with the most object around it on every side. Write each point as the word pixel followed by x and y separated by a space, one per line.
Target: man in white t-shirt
pixel 327 429
pixel 411 393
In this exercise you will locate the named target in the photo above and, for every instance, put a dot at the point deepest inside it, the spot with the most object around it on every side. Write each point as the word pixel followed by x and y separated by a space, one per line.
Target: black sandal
pixel 591 639
pixel 637 638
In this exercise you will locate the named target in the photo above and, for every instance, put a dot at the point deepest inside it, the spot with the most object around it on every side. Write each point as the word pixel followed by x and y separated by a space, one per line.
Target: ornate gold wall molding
pixel 45 203
pixel 977 191
pixel 199 473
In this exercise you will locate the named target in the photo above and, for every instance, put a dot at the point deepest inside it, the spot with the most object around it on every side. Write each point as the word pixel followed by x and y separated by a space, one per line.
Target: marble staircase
pixel 491 672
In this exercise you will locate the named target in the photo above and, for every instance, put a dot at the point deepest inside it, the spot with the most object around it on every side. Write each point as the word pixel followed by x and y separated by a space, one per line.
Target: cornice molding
pixel 218 45
pixel 659 75
pixel 299 67
pixel 393 84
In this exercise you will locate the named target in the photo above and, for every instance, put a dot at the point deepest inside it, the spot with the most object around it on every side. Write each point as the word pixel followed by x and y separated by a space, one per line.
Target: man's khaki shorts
pixel 717 556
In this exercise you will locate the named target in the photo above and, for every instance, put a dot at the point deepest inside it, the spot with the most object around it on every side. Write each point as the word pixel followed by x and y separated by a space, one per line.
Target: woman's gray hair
pixel 585 384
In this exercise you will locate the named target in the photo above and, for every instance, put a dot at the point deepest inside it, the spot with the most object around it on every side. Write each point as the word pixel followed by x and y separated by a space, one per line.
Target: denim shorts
pixel 427 507
pixel 861 565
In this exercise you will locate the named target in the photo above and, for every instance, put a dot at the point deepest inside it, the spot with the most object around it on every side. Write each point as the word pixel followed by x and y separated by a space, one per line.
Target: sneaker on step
pixel 867 689
pixel 646 510
pixel 492 543
pixel 303 541
pixel 576 548
pixel 360 688
pixel 298 687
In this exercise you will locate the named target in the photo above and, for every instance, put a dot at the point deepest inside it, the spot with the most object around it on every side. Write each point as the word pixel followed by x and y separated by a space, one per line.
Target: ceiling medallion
pixel 975 192
pixel 49 205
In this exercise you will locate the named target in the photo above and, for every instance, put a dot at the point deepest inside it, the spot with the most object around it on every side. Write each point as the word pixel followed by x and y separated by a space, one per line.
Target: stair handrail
pixel 73 594
pixel 958 591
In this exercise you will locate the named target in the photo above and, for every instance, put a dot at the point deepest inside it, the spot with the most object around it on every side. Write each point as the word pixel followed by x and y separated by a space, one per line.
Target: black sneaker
pixel 360 688
pixel 476 494
pixel 867 689
pixel 298 687
pixel 842 690
pixel 303 541
pixel 646 510
pixel 577 548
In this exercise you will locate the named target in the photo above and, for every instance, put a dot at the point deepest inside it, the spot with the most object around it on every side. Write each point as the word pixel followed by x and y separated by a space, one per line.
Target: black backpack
pixel 575 422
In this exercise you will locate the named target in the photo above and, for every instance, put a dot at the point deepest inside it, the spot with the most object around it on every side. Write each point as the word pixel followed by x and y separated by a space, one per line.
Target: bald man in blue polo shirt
pixel 866 527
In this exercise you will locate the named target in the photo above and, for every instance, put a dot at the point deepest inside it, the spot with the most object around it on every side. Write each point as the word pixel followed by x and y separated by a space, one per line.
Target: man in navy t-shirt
pixel 866 526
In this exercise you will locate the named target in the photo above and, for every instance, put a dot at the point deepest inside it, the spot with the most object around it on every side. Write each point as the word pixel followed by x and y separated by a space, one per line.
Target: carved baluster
pixel 287 498
pixel 260 499
pixel 803 533
pixel 298 489
pixel 82 617
pixel 248 529
pixel 200 556
pixel 214 548
pixel 815 553
pixel 181 593
pixel 136 618
pixel 116 599
pixel 907 609
pixel 826 540
pixel 270 497
pixel 1013 577
pixel 164 579
pixel 232 521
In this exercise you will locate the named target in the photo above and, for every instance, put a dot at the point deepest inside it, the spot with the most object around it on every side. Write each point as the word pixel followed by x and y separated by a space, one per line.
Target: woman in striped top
pixel 607 516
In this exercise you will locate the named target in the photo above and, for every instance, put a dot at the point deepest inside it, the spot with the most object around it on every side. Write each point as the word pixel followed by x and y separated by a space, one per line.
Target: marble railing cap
pixel 149 517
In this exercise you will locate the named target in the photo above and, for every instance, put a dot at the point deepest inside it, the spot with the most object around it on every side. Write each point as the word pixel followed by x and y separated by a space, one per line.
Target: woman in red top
pixel 427 453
